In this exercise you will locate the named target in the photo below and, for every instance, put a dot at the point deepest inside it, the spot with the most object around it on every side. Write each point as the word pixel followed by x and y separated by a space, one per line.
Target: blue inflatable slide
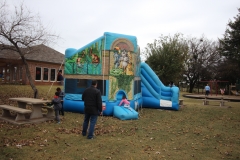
pixel 154 93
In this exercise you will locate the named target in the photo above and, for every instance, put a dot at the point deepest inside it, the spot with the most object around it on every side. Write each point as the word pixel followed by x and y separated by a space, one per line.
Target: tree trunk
pixel 35 95
pixel 191 86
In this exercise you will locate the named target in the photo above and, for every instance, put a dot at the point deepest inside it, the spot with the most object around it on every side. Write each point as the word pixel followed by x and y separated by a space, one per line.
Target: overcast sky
pixel 79 22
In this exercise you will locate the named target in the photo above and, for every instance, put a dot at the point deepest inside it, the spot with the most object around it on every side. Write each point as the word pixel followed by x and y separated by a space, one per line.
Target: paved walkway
pixel 225 97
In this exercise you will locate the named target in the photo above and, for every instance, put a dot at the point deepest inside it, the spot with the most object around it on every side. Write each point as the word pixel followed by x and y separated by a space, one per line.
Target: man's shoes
pixel 91 138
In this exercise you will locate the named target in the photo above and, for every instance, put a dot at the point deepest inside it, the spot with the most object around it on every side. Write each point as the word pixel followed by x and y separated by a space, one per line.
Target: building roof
pixel 40 53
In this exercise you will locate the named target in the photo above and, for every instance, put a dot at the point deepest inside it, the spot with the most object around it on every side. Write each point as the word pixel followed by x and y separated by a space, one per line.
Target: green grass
pixel 194 132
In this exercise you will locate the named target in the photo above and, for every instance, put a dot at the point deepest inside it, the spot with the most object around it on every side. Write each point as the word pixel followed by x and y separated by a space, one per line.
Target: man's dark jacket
pixel 92 101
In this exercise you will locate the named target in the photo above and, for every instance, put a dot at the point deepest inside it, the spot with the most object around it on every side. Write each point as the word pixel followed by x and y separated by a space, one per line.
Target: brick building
pixel 44 64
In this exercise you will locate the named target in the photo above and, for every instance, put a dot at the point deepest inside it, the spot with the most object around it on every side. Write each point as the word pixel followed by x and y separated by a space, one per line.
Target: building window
pixel 53 74
pixel 7 75
pixel 15 74
pixel 3 74
pixel 38 73
pixel 20 73
pixel 137 87
pixel 45 74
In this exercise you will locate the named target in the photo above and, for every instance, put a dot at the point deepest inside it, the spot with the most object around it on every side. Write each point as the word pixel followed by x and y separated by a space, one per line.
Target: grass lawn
pixel 194 132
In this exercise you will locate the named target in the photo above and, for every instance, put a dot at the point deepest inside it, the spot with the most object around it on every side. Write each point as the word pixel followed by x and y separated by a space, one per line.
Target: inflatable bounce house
pixel 114 60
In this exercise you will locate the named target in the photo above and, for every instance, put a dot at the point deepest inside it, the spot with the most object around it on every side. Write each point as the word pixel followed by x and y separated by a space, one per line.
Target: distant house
pixel 44 64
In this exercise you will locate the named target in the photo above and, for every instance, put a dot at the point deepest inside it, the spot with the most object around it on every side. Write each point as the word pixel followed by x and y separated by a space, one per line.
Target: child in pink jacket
pixel 125 102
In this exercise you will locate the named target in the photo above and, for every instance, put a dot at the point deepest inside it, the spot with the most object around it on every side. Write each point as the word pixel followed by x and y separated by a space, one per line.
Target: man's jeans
pixel 93 120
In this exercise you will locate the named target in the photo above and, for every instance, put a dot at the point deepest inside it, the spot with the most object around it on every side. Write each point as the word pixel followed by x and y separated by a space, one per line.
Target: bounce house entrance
pixel 120 94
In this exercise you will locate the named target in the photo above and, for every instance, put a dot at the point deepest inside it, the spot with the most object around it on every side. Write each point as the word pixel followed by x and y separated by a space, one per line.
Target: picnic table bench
pixel 206 101
pixel 50 110
pixel 21 112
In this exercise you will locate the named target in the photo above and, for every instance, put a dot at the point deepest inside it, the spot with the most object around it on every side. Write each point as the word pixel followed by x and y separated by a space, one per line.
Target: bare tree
pixel 203 58
pixel 20 31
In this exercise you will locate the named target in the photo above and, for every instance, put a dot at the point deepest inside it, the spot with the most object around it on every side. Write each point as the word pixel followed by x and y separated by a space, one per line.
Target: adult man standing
pixel 207 90
pixel 60 77
pixel 92 107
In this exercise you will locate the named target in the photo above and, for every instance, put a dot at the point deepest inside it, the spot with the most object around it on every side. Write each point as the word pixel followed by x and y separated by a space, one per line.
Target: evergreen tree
pixel 230 43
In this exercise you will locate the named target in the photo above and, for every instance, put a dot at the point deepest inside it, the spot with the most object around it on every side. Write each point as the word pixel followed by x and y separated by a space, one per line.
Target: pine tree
pixel 230 44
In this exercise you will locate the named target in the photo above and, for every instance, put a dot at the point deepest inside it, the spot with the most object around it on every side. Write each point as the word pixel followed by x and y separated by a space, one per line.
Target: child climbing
pixel 222 91
pixel 125 102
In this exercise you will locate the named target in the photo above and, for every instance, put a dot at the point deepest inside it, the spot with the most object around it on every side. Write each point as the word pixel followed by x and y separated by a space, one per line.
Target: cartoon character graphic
pixel 129 69
pixel 124 60
pixel 95 57
pixel 78 61
pixel 130 56
pixel 116 57
pixel 79 64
